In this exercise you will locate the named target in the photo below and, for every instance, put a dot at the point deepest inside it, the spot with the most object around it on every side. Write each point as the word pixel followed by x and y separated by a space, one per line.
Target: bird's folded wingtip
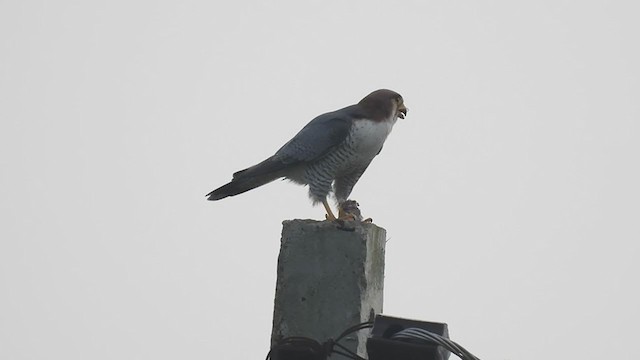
pixel 212 196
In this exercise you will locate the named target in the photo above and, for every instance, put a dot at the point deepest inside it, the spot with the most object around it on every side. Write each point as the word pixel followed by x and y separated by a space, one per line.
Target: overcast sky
pixel 509 193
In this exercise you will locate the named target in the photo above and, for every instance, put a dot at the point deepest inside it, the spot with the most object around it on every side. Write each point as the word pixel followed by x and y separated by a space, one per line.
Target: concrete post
pixel 328 279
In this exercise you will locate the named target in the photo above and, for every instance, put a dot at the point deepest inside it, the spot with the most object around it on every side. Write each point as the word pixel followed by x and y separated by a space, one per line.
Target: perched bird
pixel 329 154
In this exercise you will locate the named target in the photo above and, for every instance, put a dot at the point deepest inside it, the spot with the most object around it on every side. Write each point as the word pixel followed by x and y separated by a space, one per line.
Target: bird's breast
pixel 367 137
pixel 363 143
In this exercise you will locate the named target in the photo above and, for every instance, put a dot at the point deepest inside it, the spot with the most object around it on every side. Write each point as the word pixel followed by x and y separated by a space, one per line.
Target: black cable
pixel 352 329
pixel 421 335
pixel 350 354
pixel 321 351
pixel 300 343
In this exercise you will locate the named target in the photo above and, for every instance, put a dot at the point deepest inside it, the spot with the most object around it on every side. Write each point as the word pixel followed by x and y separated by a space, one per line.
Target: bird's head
pixel 384 104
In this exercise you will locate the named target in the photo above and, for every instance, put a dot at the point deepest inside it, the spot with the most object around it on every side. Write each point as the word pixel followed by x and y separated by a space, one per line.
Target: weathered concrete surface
pixel 328 279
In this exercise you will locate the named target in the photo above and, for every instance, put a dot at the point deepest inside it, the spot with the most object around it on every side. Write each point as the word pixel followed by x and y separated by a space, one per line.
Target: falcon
pixel 329 154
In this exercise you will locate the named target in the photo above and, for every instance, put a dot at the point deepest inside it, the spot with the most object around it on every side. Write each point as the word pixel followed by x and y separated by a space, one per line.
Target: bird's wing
pixel 317 138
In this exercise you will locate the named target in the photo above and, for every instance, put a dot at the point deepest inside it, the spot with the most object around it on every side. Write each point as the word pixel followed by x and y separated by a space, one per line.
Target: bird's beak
pixel 403 111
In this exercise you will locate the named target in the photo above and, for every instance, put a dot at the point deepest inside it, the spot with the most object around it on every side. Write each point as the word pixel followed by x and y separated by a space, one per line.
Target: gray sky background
pixel 509 193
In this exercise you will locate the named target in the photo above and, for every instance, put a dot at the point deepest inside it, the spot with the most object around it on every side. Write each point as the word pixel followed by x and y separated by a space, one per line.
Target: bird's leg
pixel 329 215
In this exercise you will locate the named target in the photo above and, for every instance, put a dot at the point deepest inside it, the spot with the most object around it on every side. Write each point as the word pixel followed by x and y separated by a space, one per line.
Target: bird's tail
pixel 250 178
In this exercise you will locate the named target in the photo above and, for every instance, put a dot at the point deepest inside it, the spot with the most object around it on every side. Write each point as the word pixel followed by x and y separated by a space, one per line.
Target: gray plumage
pixel 333 149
